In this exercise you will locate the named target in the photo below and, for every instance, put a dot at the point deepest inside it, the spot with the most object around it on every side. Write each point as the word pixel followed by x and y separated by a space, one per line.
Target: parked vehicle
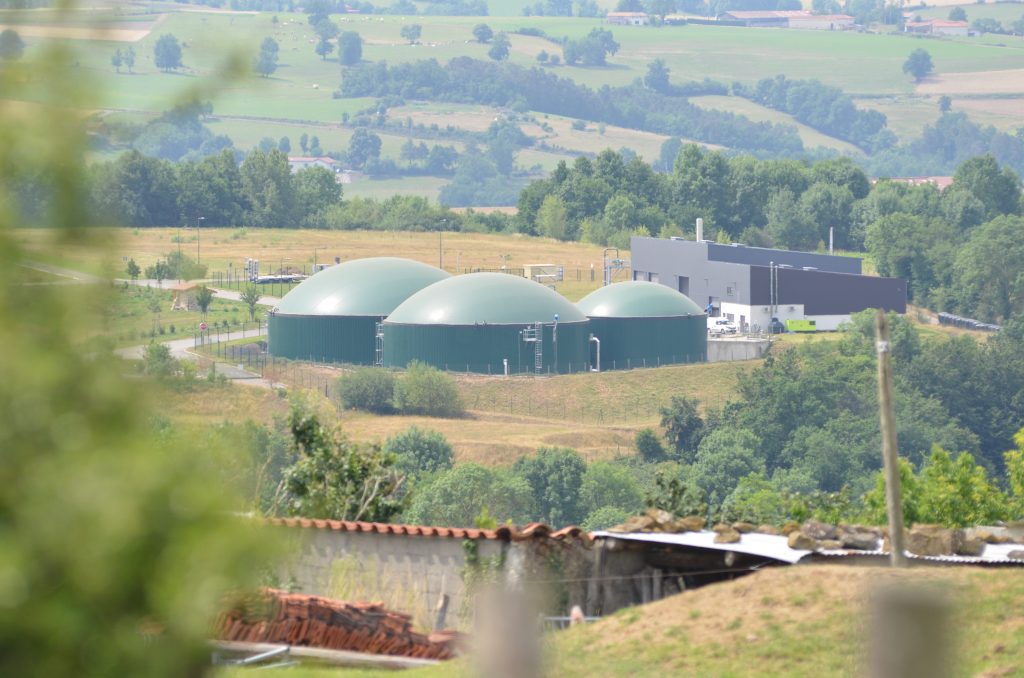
pixel 721 326
pixel 801 326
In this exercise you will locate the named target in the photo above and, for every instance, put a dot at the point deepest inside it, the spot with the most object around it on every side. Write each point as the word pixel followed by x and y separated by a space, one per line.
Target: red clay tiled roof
pixel 297 619
pixel 503 533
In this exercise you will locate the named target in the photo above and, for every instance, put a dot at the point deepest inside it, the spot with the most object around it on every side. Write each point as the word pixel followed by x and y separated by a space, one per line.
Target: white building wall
pixel 759 317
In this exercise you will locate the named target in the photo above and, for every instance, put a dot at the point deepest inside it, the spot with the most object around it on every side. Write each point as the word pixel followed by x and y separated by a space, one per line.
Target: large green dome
pixel 637 299
pixel 485 299
pixel 361 287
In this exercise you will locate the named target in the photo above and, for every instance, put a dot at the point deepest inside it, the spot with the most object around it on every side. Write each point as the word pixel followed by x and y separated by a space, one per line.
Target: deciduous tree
pixel 919 64
pixel 11 45
pixel 350 48
pixel 167 53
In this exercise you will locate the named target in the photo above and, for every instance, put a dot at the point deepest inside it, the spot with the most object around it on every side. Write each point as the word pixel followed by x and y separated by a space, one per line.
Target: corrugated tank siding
pixel 648 342
pixel 482 348
pixel 330 339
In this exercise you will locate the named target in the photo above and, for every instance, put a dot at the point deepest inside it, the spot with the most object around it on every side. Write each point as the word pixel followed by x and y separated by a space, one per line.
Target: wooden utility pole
pixel 890 453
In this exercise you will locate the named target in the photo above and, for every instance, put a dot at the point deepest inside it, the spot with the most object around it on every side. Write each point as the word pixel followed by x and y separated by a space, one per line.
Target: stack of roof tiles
pixel 296 619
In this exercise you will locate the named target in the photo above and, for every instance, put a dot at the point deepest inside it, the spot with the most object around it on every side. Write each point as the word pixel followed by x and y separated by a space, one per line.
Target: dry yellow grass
pixel 1010 81
pixel 295 248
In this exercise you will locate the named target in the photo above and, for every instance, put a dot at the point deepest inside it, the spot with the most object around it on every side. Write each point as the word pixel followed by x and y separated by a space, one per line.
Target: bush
pixel 455 497
pixel 427 391
pixel 420 451
pixel 605 517
pixel 368 388
pixel 648 445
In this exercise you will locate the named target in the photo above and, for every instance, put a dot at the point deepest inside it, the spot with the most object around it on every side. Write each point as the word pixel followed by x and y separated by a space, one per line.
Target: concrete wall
pixel 406 572
pixel 736 348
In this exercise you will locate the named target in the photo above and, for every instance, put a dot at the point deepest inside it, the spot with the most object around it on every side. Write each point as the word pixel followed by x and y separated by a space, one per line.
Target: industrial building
pixel 490 323
pixel 643 324
pixel 751 285
pixel 333 315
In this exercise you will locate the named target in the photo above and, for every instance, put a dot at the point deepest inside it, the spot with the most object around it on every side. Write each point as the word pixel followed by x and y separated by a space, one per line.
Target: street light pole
pixel 198 243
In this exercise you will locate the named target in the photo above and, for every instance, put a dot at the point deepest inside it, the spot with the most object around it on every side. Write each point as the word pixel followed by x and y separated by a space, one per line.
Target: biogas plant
pixel 389 311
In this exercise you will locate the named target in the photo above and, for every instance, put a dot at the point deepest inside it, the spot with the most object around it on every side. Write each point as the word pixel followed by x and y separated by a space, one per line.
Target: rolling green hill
pixel 298 97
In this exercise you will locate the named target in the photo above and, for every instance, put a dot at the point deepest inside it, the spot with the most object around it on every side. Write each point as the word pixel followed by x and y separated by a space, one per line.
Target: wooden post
pixel 910 633
pixel 890 453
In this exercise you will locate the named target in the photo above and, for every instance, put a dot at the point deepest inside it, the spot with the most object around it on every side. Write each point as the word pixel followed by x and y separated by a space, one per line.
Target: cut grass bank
pixel 808 620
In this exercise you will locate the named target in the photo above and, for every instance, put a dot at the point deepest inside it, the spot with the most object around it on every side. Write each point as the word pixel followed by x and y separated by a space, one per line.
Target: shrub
pixel 428 391
pixel 648 445
pixel 605 517
pixel 420 451
pixel 368 388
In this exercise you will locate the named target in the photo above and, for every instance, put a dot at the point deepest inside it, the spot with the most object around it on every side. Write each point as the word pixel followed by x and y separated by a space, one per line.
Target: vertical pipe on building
pixel 700 229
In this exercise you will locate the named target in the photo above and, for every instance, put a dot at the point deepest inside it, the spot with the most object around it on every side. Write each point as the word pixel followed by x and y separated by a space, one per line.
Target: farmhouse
pixel 303 162
pixel 822 22
pixel 628 18
pixel 940 182
pixel 752 285
pixel 763 18
pixel 936 27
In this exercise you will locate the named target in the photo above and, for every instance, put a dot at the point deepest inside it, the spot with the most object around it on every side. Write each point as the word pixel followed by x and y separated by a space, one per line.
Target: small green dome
pixel 361 287
pixel 485 299
pixel 637 299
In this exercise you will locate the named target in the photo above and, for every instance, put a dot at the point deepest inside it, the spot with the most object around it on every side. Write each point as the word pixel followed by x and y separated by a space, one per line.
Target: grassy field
pixel 219 247
pixel 596 414
pixel 134 315
pixel 299 94
pixel 1004 12
pixel 758 113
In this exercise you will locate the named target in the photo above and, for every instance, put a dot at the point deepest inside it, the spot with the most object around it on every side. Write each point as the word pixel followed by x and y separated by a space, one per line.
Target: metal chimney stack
pixel 700 229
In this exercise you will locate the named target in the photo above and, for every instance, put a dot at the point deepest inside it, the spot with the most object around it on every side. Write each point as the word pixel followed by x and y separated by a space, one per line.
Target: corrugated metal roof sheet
pixel 777 548
pixel 764 545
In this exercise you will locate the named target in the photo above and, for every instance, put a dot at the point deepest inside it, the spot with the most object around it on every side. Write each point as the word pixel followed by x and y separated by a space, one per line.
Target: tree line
pixel 798 441
pixel 467 80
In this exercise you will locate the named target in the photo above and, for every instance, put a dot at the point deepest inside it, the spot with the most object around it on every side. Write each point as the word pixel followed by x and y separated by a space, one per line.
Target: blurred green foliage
pixel 117 544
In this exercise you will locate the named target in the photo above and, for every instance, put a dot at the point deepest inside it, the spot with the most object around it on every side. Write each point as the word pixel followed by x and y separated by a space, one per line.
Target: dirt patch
pixel 83 32
pixel 1009 81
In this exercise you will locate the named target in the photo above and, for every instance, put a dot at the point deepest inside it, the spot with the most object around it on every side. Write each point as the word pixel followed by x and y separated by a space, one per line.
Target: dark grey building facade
pixel 737 281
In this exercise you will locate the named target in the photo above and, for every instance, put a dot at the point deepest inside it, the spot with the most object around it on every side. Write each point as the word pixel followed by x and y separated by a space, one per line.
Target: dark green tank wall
pixel 482 348
pixel 323 338
pixel 648 342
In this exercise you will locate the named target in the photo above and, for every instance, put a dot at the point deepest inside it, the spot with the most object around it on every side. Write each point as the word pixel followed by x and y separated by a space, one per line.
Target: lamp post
pixel 198 243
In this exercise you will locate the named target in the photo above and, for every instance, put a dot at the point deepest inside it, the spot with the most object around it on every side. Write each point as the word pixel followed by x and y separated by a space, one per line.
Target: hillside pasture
pixel 1010 81
pixel 103 33
pixel 1004 12
pixel 1004 114
pixel 758 113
